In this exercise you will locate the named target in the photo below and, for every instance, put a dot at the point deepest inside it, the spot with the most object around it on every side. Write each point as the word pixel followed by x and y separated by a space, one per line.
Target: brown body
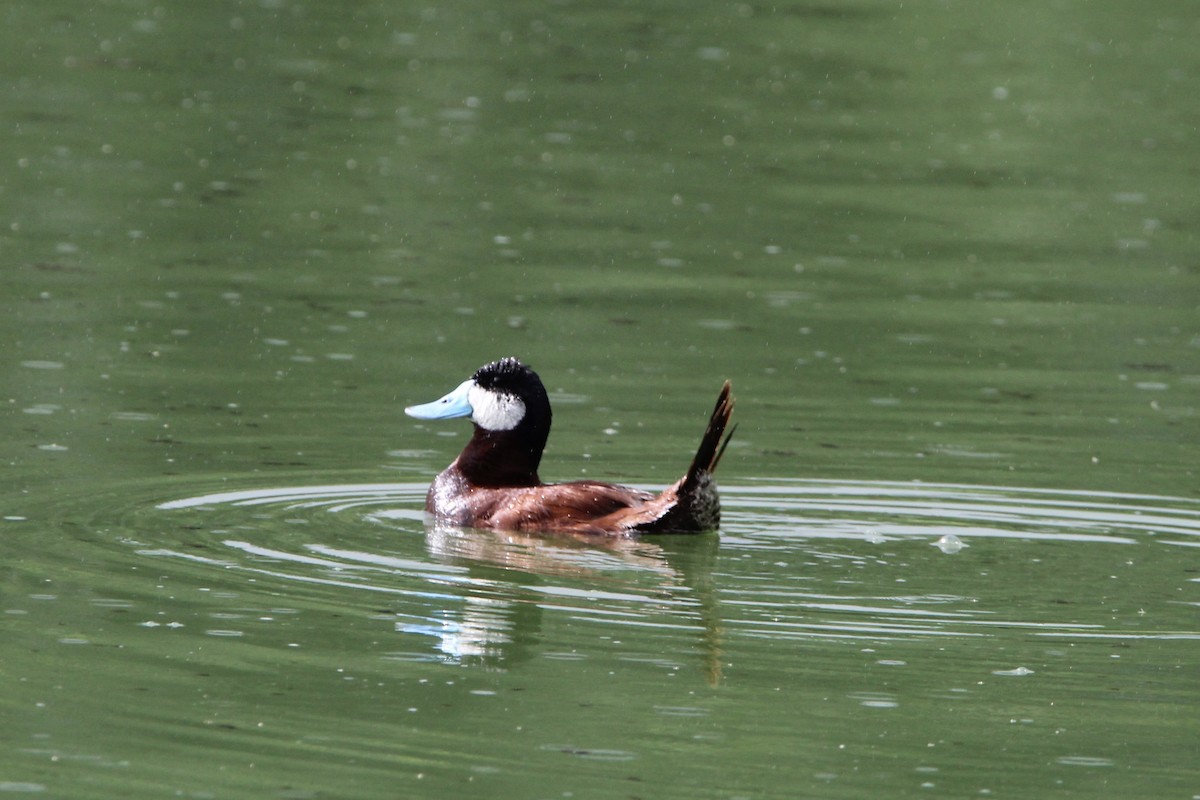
pixel 494 484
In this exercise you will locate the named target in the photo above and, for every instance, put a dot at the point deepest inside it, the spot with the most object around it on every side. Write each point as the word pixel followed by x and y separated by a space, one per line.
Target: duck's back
pixel 578 506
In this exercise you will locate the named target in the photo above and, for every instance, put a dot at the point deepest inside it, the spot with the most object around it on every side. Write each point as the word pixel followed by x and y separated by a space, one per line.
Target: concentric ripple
pixel 795 560
pixel 884 510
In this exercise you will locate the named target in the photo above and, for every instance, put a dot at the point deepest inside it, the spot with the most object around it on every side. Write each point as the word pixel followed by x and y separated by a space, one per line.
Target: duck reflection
pixel 514 578
pixel 481 632
pixel 546 554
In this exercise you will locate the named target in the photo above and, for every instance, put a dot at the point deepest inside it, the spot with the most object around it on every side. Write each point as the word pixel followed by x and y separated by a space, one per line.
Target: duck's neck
pixel 502 458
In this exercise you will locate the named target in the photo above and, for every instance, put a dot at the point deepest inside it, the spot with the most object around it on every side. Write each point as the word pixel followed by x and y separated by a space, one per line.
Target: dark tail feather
pixel 712 446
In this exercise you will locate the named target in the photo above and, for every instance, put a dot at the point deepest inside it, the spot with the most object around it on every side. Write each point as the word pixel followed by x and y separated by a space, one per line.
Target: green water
pixel 945 252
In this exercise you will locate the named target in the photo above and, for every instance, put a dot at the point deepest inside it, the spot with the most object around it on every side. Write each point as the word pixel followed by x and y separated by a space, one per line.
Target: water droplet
pixel 950 544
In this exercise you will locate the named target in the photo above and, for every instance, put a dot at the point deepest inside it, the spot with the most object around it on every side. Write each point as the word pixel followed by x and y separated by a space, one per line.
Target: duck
pixel 494 482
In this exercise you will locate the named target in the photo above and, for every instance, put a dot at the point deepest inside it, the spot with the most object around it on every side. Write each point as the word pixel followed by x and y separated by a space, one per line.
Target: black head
pixel 511 413
pixel 507 376
pixel 507 395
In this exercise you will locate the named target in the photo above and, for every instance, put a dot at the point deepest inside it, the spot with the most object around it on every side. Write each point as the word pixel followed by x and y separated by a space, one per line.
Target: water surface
pixel 945 254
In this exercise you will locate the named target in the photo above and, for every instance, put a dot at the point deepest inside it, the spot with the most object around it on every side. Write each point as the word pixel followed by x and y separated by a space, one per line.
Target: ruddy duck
pixel 494 481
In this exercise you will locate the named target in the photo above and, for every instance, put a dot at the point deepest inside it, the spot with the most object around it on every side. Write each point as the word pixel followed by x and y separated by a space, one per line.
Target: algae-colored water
pixel 945 252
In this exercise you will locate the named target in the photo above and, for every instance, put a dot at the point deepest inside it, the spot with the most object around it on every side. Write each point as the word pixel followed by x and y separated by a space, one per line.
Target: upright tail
pixel 692 504
pixel 712 446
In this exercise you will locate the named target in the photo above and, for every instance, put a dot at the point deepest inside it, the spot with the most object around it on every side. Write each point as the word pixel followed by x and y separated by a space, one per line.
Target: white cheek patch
pixel 495 412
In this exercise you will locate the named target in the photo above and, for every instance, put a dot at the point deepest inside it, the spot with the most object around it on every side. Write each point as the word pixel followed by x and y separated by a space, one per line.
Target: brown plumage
pixel 494 482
